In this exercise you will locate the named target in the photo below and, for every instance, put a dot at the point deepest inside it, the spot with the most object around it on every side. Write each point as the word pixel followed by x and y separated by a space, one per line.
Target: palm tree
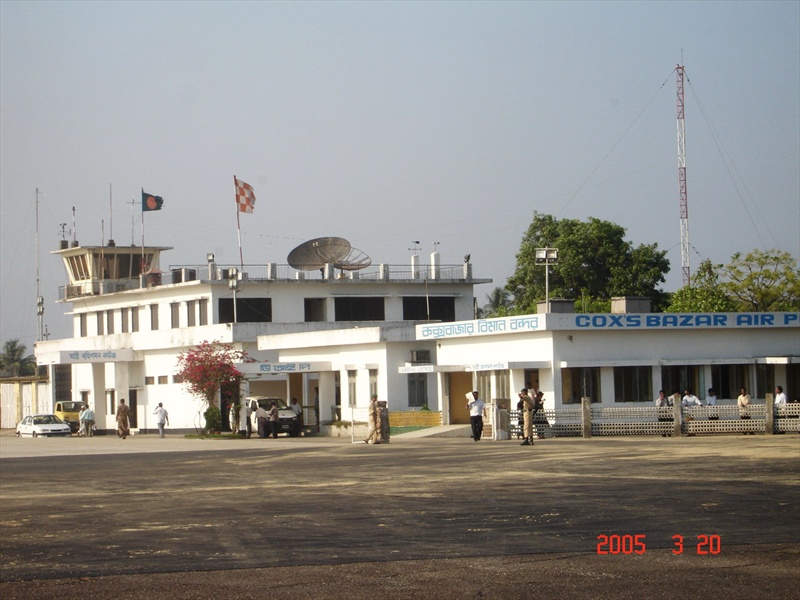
pixel 499 303
pixel 13 359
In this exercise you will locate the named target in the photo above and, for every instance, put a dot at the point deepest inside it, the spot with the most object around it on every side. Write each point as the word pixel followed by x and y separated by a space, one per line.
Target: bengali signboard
pixel 69 357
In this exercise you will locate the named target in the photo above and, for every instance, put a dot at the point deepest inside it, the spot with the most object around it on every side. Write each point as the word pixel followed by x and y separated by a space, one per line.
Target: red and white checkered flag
pixel 245 197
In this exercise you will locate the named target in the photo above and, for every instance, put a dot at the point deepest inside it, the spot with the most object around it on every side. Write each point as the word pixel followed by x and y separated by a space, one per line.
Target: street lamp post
pixel 546 257
pixel 233 284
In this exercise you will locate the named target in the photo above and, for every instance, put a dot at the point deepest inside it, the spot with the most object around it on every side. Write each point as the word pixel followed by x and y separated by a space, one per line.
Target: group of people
pixel 123 417
pixel 528 405
pixel 86 421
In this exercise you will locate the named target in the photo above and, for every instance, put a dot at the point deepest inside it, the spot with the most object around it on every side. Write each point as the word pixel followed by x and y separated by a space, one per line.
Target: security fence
pixel 587 420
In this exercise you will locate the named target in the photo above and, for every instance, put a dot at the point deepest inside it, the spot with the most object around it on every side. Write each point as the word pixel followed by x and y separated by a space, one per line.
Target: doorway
pixel 460 385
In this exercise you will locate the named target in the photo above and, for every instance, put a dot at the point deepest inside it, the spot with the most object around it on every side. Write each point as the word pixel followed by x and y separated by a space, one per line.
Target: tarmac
pixel 422 516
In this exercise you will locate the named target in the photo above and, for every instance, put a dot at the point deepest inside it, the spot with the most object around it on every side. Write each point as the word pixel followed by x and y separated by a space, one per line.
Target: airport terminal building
pixel 340 331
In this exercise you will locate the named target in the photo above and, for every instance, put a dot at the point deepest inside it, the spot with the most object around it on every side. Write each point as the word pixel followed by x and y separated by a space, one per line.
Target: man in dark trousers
pixel 476 408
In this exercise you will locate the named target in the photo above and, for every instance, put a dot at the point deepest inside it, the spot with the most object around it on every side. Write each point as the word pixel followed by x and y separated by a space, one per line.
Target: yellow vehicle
pixel 69 412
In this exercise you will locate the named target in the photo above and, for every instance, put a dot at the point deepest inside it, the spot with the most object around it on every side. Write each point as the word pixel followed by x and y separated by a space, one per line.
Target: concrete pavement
pixel 432 517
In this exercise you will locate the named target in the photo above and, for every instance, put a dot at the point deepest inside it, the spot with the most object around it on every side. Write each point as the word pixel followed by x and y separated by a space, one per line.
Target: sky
pixel 388 123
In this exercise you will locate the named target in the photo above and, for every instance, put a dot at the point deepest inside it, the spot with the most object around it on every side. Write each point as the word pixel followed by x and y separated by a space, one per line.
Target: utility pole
pixel 684 206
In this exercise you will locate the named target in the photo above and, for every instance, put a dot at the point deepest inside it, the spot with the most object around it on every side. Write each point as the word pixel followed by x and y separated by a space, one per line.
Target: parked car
pixel 288 421
pixel 69 411
pixel 43 426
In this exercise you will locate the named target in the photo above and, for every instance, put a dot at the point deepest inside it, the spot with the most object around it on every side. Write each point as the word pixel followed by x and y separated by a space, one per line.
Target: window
pixel 359 309
pixel 202 316
pixel 175 315
pixel 675 379
pixel 633 384
pixel 248 310
pixel 502 387
pixel 484 384
pixel 123 317
pixel 109 321
pixel 177 379
pixel 191 309
pixel 82 322
pixel 417 390
pixel 154 317
pixel 100 321
pixel 579 382
pixel 149 380
pixel 111 399
pixel 728 379
pixel 163 379
pixel 135 318
pixel 373 381
pixel 765 380
pixel 421 308
pixel 314 309
pixel 351 387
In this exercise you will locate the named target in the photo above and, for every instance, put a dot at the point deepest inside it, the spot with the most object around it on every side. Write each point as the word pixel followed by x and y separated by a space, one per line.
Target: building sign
pixel 416 369
pixel 636 321
pixel 686 321
pixel 252 368
pixel 70 357
pixel 479 327
pixel 492 366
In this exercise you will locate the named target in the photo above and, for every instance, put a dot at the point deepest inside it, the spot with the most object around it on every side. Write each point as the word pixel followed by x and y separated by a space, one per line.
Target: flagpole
pixel 141 262
pixel 238 227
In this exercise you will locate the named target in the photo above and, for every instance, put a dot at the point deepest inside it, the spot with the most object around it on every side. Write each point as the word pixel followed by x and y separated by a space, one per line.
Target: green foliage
pixel 766 280
pixel 213 418
pixel 498 305
pixel 705 294
pixel 594 261
pixel 15 360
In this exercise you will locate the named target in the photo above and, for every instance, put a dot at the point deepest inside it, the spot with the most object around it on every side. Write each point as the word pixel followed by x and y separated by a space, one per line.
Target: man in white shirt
pixel 780 397
pixel 476 407
pixel 689 399
pixel 162 418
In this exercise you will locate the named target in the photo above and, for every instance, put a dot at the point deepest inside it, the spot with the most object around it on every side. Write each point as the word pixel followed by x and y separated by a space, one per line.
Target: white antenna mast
pixel 39 298
pixel 684 206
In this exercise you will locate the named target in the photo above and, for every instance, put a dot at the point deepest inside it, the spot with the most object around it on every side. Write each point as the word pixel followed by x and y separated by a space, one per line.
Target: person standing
pixel 123 416
pixel 86 419
pixel 711 400
pixel 273 420
pixel 743 402
pixel 527 417
pixel 162 418
pixel 297 409
pixel 261 420
pixel 780 397
pixel 373 437
pixel 689 399
pixel 476 409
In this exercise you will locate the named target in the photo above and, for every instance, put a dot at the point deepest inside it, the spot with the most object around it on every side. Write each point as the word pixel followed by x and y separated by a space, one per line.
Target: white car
pixel 43 426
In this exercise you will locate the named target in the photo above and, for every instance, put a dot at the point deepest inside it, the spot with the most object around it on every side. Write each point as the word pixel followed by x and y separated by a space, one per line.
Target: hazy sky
pixel 388 122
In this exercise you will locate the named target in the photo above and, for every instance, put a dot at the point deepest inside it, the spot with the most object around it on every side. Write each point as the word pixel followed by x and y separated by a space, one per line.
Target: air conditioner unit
pixel 421 356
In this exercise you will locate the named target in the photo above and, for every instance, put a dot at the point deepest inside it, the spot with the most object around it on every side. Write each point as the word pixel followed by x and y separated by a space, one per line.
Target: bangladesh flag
pixel 150 202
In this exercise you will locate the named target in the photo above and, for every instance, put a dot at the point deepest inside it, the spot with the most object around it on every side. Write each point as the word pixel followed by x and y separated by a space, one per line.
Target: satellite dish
pixel 315 254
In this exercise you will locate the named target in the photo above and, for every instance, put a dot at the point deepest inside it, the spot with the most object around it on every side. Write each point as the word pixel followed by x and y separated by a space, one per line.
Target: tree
pixel 499 304
pixel 14 359
pixel 205 369
pixel 595 263
pixel 704 294
pixel 766 280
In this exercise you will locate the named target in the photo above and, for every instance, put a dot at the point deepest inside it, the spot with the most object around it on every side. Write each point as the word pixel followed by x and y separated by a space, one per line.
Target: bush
pixel 213 419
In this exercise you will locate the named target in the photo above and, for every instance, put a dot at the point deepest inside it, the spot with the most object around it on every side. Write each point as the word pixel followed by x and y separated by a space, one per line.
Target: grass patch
pixel 409 429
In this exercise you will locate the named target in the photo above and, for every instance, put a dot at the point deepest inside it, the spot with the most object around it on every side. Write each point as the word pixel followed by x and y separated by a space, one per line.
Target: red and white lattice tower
pixel 682 181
